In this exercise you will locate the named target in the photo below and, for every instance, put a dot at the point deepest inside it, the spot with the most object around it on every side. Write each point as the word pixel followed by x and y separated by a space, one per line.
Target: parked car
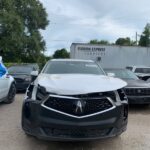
pixel 74 100
pixel 137 91
pixel 7 85
pixel 22 75
pixel 7 89
pixel 142 72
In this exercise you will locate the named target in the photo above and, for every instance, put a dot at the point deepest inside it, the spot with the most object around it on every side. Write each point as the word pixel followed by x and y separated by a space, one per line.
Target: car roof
pixel 20 66
pixel 114 69
pixel 77 60
pixel 139 66
pixel 32 66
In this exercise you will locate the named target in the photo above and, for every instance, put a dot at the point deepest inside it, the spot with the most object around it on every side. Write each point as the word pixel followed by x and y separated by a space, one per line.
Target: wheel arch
pixel 10 82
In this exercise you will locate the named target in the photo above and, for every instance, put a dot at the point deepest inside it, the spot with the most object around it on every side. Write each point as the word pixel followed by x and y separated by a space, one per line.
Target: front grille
pixel 76 132
pixel 137 91
pixel 78 107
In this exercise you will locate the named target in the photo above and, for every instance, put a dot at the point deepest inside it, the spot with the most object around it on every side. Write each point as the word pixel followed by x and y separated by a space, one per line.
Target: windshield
pixel 73 67
pixel 142 70
pixel 19 70
pixel 123 74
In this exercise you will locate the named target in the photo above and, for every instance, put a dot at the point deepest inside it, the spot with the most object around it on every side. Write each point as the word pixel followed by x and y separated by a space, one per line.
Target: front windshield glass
pixel 142 70
pixel 123 74
pixel 19 70
pixel 72 67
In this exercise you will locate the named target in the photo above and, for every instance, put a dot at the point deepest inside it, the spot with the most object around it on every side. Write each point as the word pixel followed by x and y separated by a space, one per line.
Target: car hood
pixel 74 84
pixel 136 83
pixel 20 76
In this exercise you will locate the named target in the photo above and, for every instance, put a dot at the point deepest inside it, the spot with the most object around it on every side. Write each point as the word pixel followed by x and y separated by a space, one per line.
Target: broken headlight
pixel 122 95
pixel 41 93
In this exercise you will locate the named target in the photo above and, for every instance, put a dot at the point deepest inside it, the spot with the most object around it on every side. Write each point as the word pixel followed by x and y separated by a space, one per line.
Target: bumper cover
pixel 49 125
pixel 139 99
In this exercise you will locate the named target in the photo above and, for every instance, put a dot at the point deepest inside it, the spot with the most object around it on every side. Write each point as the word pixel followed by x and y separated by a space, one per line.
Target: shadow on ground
pixel 113 143
pixel 139 109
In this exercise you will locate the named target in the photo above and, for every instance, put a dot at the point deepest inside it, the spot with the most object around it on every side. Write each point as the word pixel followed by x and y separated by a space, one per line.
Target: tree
pixel 20 25
pixel 145 37
pixel 125 42
pixel 95 41
pixel 62 53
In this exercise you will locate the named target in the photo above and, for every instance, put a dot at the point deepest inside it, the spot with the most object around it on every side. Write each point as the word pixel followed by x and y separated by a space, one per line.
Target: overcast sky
pixel 83 20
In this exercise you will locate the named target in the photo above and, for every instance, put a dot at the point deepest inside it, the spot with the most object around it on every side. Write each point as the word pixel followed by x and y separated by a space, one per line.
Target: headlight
pixel 28 79
pixel 41 93
pixel 122 95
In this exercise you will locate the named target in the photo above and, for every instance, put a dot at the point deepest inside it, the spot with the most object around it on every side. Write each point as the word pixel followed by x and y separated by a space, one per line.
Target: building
pixel 111 55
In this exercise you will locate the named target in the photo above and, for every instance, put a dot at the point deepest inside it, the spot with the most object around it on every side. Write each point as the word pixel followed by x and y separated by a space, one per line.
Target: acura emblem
pixel 79 107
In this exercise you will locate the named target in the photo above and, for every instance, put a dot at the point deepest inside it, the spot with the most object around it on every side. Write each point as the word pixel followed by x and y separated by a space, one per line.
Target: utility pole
pixel 136 38
pixel 148 34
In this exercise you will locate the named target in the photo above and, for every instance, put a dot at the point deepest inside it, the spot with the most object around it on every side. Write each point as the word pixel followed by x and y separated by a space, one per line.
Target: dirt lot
pixel 12 137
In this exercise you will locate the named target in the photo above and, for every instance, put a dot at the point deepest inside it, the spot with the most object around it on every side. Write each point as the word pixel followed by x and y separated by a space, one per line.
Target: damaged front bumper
pixel 47 124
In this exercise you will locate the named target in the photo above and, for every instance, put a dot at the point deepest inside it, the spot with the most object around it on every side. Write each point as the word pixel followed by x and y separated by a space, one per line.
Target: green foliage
pixel 62 53
pixel 95 41
pixel 9 64
pixel 145 37
pixel 20 25
pixel 125 42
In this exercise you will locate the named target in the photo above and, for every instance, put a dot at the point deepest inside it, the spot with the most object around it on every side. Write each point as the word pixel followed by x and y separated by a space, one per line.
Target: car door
pixel 4 83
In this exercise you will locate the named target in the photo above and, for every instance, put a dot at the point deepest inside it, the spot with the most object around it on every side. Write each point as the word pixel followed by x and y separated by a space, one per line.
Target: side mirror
pixel 110 74
pixel 34 75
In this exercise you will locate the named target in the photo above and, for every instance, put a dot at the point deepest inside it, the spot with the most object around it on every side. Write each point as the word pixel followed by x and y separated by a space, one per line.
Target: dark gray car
pixel 22 75
pixel 137 91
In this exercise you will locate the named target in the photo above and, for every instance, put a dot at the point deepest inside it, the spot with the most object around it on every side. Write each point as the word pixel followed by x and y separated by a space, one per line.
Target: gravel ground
pixel 137 137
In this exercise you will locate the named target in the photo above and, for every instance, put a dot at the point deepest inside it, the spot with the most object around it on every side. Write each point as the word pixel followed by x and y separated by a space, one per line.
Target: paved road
pixel 12 137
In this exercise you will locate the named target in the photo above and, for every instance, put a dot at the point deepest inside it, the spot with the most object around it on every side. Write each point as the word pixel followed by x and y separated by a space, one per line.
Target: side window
pixel 142 70
pixel 138 70
pixel 129 68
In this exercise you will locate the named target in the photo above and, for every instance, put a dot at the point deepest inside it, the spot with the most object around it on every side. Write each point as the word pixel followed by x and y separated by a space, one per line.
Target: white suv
pixel 143 72
pixel 7 87
pixel 74 100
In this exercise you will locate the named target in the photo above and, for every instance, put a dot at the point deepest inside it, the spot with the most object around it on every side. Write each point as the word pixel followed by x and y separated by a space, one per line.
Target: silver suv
pixel 143 72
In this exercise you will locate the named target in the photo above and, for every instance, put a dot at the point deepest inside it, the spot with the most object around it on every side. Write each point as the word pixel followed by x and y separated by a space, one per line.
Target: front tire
pixel 11 94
